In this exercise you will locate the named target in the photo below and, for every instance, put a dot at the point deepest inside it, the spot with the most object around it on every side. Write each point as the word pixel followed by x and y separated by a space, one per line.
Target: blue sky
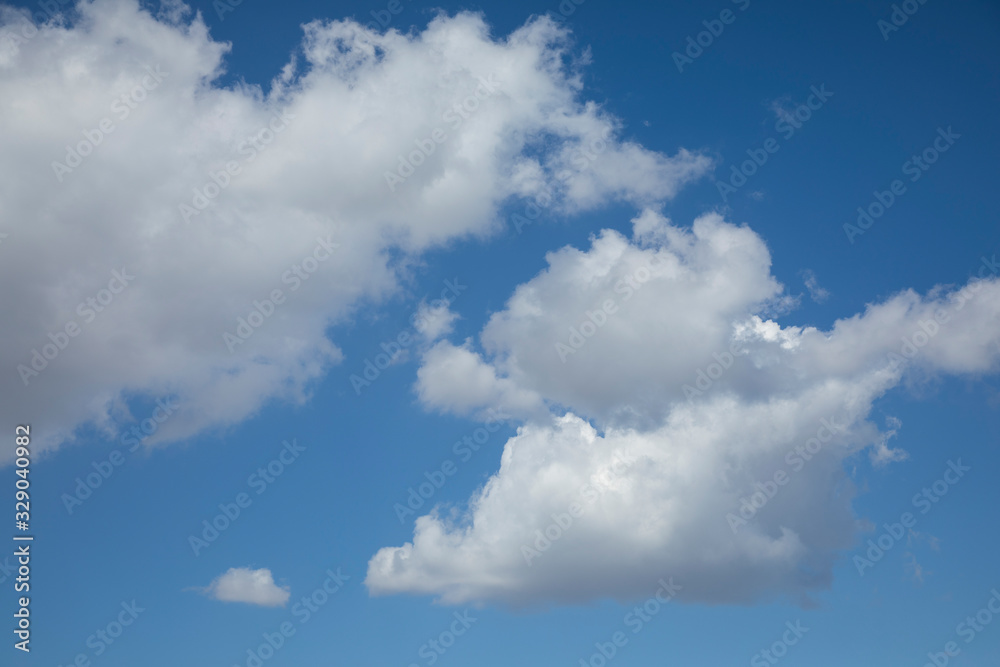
pixel 671 138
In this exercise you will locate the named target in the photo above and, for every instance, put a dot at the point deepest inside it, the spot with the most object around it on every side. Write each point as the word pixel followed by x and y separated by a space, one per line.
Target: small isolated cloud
pixel 783 108
pixel 816 293
pixel 915 569
pixel 241 584
pixel 881 453
pixel 433 322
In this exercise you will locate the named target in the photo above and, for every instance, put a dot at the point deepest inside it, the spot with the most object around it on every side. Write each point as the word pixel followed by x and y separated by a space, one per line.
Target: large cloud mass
pixel 121 153
pixel 674 399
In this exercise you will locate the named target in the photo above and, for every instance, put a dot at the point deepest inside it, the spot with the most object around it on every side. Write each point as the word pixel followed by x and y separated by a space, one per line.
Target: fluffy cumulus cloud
pixel 169 237
pixel 458 378
pixel 434 320
pixel 241 584
pixel 658 397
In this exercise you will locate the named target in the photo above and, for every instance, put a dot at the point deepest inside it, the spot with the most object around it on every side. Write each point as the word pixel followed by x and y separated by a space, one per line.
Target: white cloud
pixel 241 584
pixel 679 374
pixel 354 105
pixel 816 293
pixel 658 312
pixel 458 380
pixel 434 321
